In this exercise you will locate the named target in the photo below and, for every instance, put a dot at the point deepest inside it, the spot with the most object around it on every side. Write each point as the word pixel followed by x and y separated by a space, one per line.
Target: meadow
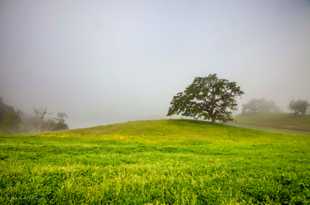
pixel 283 121
pixel 156 162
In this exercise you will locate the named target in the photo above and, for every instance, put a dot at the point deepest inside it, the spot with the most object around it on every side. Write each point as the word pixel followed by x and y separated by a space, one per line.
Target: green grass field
pixel 156 162
pixel 282 121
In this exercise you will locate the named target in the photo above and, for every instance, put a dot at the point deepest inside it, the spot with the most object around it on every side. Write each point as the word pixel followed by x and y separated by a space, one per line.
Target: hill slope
pixel 166 161
pixel 276 121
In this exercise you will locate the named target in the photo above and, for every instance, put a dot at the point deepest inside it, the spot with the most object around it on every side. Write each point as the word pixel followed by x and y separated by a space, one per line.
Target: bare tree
pixel 39 118
pixel 40 113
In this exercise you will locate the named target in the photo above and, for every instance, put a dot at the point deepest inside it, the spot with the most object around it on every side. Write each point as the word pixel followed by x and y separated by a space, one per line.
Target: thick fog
pixel 109 60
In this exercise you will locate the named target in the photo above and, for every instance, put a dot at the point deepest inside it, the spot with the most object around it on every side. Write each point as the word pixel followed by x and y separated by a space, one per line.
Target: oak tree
pixel 208 98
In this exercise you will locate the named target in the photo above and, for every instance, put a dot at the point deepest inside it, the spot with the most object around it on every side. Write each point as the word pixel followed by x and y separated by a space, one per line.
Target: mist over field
pixel 109 61
pixel 176 101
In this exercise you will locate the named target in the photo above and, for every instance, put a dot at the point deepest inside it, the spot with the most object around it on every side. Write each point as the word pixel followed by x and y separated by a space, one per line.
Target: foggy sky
pixel 110 60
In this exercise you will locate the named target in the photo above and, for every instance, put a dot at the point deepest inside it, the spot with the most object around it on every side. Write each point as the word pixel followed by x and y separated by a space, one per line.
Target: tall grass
pixel 155 162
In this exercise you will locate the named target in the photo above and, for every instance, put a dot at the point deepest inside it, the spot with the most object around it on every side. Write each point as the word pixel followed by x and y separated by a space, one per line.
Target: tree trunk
pixel 213 119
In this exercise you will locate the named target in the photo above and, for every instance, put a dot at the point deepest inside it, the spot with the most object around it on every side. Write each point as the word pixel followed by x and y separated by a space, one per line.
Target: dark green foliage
pixel 9 117
pixel 208 98
pixel 299 107
pixel 259 106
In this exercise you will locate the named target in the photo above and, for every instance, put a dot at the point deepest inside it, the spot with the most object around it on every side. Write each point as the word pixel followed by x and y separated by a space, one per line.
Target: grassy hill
pixel 156 162
pixel 276 121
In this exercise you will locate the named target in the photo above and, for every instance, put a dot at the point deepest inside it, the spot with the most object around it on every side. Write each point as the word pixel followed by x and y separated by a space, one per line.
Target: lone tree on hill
pixel 208 98
pixel 299 106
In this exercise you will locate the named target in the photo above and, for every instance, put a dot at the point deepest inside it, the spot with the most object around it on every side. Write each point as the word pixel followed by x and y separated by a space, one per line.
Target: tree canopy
pixel 9 117
pixel 299 107
pixel 208 98
pixel 259 106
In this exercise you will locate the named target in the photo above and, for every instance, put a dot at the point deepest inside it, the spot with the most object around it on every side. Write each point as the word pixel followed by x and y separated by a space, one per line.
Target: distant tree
pixel 61 122
pixel 15 120
pixel 61 116
pixel 39 120
pixel 54 125
pixel 208 98
pixel 9 117
pixel 299 107
pixel 259 106
pixel 40 113
pixel 42 123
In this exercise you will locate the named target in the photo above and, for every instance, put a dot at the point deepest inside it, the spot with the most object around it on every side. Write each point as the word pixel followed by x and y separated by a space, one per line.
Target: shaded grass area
pixel 276 120
pixel 156 162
